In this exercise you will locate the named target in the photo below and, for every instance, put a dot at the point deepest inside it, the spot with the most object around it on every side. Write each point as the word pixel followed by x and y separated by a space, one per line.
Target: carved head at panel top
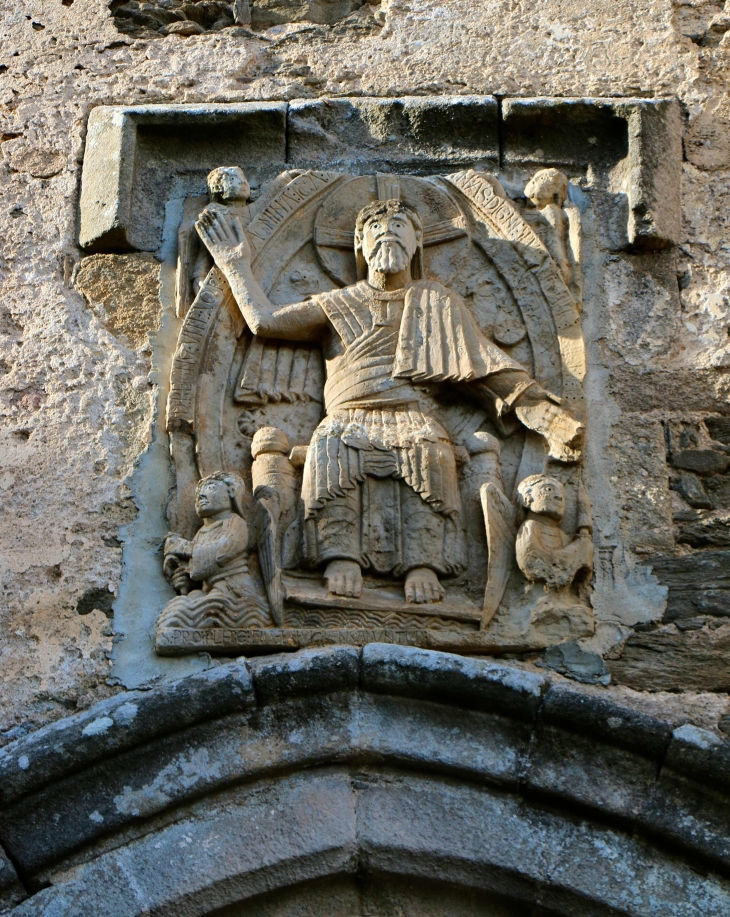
pixel 389 238
pixel 228 184
pixel 219 493
pixel 548 186
pixel 543 495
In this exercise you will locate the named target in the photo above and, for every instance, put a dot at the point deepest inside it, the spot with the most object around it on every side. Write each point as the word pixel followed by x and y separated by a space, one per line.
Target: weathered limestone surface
pixel 80 389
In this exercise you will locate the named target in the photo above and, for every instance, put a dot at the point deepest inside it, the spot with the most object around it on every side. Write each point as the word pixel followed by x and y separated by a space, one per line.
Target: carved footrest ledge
pixel 314 617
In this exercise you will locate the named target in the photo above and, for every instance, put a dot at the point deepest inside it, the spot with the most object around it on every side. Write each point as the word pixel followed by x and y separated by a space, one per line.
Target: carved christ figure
pixel 380 488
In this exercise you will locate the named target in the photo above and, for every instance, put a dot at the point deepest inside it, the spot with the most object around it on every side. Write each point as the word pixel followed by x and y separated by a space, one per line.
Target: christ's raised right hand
pixel 224 236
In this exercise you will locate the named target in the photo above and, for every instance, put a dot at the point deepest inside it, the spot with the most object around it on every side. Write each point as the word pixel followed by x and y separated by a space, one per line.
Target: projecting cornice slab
pixel 135 154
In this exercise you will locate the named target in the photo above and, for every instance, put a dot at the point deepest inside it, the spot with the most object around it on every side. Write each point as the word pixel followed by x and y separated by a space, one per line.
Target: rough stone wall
pixel 76 405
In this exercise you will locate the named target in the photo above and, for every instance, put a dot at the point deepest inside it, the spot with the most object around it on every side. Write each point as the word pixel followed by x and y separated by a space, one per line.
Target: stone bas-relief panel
pixel 376 416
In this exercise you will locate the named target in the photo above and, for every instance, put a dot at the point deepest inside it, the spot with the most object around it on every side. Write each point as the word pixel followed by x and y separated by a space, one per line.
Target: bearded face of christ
pixel 389 242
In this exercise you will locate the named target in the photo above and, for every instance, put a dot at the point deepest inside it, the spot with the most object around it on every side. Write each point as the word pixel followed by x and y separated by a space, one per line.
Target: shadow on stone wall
pixel 195 17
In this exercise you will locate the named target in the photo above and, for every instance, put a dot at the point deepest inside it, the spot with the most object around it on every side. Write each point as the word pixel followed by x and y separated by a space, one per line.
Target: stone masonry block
pixel 140 784
pixel 603 719
pixel 423 734
pixel 699 584
pixel 497 843
pixel 655 171
pixel 313 671
pixel 563 132
pixel 694 788
pixel 134 155
pixel 639 137
pixel 618 778
pixel 414 133
pixel 691 815
pixel 292 831
pixel 431 675
pixel 121 723
pixel 576 770
pixel 700 754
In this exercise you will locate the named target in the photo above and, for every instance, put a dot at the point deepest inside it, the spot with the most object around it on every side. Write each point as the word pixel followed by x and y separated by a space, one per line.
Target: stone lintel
pixel 133 154
pixel 640 138
pixel 413 133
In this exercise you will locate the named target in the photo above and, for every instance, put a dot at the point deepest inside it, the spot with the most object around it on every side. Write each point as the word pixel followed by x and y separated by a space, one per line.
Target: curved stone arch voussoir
pixel 254 778
pixel 320 824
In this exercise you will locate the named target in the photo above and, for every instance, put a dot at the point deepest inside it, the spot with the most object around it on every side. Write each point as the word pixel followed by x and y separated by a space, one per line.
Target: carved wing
pixel 277 371
pixel 267 513
pixel 500 521
pixel 188 251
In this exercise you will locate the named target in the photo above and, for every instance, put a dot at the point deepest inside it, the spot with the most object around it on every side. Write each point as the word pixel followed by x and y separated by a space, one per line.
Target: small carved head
pixel 548 186
pixel 543 495
pixel 228 184
pixel 218 493
pixel 389 238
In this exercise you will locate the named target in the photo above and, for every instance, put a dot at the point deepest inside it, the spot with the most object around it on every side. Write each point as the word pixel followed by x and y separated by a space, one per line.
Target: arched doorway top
pixel 259 775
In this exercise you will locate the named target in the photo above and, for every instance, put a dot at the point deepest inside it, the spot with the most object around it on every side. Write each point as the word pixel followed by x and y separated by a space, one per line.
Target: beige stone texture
pixel 76 407
pixel 124 290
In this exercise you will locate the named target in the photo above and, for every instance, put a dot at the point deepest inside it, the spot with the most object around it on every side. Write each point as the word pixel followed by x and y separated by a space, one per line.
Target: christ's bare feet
pixel 343 577
pixel 422 585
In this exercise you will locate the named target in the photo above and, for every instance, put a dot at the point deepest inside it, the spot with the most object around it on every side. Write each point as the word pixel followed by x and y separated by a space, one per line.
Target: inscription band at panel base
pixel 178 641
pixel 397 464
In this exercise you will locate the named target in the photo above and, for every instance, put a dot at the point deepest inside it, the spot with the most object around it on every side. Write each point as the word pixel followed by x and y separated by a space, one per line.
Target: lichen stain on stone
pixel 123 290
pixel 99 726
pixel 182 773
pixel 126 714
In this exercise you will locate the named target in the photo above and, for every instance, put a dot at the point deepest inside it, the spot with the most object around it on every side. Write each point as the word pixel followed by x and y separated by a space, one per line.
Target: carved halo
pixel 445 234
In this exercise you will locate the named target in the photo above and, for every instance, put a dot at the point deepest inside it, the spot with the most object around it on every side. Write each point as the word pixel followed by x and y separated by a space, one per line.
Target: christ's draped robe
pixel 380 480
